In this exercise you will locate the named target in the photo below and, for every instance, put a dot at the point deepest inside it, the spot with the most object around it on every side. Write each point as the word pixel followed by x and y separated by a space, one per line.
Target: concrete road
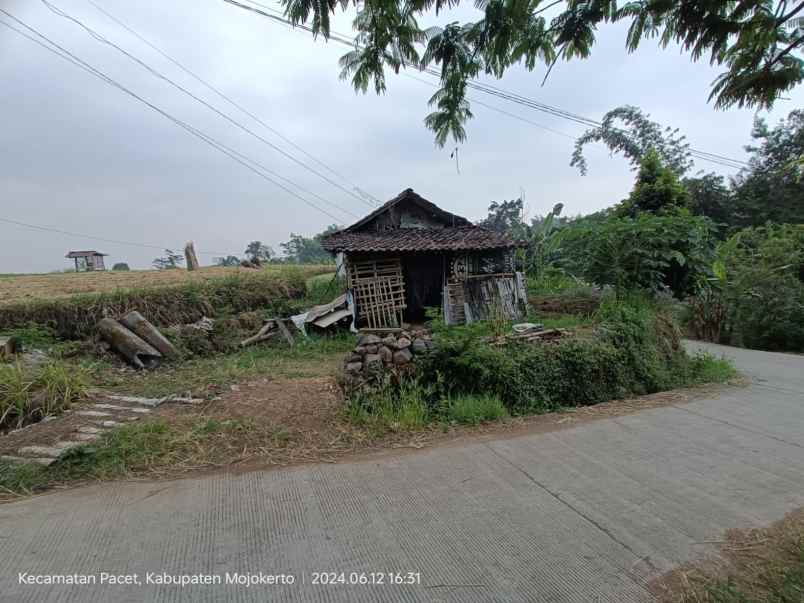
pixel 585 514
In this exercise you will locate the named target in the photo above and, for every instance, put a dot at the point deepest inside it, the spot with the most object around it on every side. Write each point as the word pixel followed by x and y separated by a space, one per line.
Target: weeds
pixel 472 409
pixel 29 395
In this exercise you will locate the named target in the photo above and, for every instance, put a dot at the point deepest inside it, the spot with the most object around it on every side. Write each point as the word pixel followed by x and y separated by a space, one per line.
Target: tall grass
pixel 29 395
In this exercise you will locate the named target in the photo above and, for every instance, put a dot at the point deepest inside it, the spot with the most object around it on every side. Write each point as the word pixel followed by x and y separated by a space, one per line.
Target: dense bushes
pixel 755 296
pixel 649 252
pixel 76 317
pixel 635 350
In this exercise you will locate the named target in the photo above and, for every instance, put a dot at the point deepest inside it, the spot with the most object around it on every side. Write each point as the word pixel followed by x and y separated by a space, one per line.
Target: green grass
pixel 706 368
pixel 472 409
pixel 313 356
pixel 133 449
pixel 28 395
pixel 32 336
pixel 396 409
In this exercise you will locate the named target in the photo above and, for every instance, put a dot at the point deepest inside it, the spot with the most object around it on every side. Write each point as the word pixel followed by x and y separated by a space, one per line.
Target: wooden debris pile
pixel 272 328
pixel 530 333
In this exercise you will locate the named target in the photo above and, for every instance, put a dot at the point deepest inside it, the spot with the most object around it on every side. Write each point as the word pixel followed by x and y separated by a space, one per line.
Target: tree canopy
pixel 657 188
pixel 748 40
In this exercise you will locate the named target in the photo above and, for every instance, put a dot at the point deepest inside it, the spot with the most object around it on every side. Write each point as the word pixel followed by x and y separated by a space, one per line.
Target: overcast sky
pixel 79 155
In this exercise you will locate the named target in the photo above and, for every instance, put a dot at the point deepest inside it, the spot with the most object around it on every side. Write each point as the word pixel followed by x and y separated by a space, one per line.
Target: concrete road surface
pixel 586 514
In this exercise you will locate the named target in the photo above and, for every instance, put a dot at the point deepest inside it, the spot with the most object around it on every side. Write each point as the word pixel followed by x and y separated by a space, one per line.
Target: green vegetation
pixel 755 296
pixel 135 448
pixel 313 356
pixel 634 349
pixel 472 409
pixel 76 317
pixel 29 395
pixel 750 41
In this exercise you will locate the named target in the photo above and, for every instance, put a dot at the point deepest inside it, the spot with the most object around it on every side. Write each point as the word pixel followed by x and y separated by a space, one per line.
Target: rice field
pixel 36 287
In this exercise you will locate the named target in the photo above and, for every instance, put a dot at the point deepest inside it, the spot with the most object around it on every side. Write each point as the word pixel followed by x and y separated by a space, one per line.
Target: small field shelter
pixel 409 255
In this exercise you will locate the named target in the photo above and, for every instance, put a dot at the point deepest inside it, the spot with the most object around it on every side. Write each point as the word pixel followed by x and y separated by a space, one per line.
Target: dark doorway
pixel 423 283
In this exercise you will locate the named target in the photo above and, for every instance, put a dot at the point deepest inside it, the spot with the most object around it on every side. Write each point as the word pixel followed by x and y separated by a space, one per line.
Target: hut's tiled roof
pixel 456 234
pixel 462 238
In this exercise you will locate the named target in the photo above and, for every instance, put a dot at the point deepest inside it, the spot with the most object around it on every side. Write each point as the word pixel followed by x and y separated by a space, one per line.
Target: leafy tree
pixel 229 260
pixel 120 267
pixel 169 261
pixel 634 138
pixel 506 218
pixel 648 251
pixel 303 250
pixel 257 251
pixel 657 188
pixel 771 188
pixel 748 40
pixel 710 196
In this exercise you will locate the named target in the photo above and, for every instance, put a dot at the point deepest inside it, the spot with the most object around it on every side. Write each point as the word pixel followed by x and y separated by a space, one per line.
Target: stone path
pixel 106 412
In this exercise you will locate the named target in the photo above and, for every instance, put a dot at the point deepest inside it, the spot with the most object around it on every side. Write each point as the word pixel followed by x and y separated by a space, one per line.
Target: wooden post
pixel 189 255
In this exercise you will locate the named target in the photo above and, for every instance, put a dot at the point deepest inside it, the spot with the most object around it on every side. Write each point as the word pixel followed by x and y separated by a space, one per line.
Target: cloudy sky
pixel 80 156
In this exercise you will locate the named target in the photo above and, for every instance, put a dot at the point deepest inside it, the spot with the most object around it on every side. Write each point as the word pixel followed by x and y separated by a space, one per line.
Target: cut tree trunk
pixel 9 347
pixel 137 351
pixel 189 255
pixel 137 323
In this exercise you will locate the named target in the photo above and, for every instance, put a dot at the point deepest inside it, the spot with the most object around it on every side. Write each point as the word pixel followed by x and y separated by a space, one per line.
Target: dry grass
pixel 756 565
pixel 55 286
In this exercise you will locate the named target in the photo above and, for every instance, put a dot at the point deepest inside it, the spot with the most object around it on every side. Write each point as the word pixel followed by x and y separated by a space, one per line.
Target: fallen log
pixel 266 332
pixel 137 351
pixel 137 323
pixel 285 332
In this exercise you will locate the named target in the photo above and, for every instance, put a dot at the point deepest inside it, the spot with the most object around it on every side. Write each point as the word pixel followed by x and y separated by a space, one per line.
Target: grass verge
pixel 141 448
pixel 312 356
pixel 757 566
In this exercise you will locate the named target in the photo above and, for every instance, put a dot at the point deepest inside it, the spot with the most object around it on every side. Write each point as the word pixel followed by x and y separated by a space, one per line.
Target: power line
pixel 232 102
pixel 485 88
pixel 100 38
pixel 239 157
pixel 97 238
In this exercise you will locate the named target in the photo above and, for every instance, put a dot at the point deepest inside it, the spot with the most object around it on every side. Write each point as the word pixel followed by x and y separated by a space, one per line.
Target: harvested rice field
pixel 34 287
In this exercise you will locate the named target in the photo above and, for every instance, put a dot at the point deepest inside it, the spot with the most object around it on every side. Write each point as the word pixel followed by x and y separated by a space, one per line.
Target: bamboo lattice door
pixel 379 292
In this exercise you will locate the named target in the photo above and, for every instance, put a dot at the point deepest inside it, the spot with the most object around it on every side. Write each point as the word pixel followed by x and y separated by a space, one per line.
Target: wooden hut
pixel 88 261
pixel 409 255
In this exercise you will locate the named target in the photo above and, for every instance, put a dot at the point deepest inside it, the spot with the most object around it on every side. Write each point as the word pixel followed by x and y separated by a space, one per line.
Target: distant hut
pixel 87 261
pixel 409 255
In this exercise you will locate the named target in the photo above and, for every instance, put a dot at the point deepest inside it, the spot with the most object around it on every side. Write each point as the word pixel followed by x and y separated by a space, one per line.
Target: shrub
pixel 121 267
pixel 635 350
pixel 755 295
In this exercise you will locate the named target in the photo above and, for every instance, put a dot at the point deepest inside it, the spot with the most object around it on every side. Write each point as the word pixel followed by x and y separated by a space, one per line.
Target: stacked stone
pixel 375 352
